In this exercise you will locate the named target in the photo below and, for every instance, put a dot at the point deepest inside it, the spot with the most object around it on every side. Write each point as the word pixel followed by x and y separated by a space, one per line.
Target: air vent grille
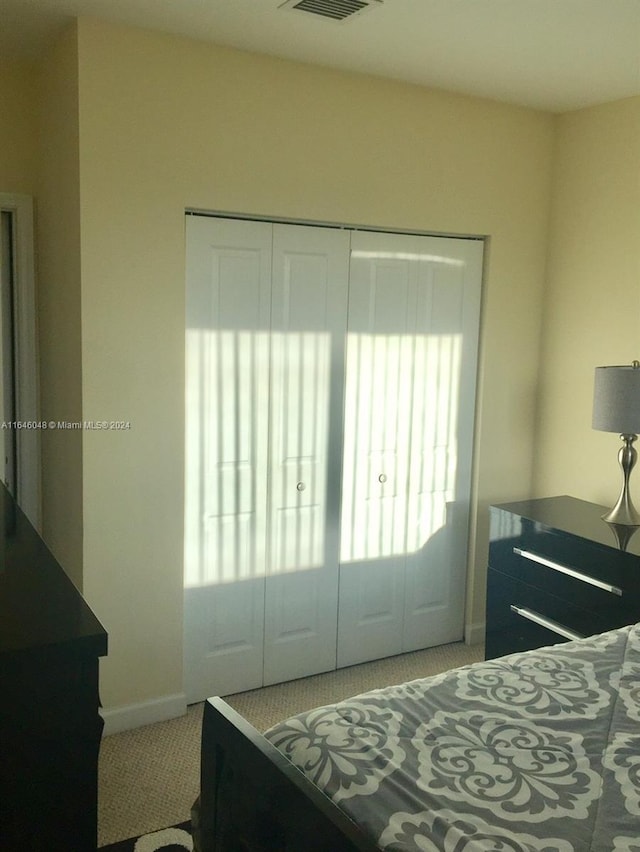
pixel 335 10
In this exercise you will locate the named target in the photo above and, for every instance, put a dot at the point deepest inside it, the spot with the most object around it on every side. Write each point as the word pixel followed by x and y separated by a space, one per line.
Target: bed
pixel 533 751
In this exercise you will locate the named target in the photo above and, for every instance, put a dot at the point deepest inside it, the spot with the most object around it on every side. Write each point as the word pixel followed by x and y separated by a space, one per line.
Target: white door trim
pixel 27 387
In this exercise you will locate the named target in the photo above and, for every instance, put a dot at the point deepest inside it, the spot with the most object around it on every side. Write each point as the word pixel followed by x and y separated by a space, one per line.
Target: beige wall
pixel 39 156
pixel 18 126
pixel 59 299
pixel 592 310
pixel 167 123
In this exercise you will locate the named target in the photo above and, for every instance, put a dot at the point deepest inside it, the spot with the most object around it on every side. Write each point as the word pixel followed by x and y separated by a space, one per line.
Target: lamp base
pixel 622 516
pixel 624 512
pixel 623 533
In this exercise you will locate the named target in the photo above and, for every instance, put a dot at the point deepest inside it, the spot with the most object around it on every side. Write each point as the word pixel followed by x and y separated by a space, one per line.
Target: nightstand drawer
pixel 521 617
pixel 605 568
pixel 583 581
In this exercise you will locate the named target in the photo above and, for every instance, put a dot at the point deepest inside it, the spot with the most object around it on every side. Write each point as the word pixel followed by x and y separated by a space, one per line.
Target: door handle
pixel 570 572
pixel 543 621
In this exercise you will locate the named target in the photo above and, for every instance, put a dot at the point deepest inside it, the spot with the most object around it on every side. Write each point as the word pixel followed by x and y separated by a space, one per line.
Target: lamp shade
pixel 616 399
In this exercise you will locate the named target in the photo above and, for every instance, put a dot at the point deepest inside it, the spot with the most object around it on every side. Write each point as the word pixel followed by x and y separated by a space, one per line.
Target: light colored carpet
pixel 149 777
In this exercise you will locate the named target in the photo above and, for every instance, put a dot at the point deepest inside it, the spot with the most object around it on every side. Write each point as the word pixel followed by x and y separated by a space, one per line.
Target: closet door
pixel 227 400
pixel 308 324
pixel 410 393
pixel 266 317
pixel 441 446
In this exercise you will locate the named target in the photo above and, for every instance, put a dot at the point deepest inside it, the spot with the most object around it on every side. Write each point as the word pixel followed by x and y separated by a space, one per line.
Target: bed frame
pixel 252 799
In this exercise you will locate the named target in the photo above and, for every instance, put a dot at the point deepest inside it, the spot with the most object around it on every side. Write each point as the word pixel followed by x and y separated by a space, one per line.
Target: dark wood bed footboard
pixel 252 799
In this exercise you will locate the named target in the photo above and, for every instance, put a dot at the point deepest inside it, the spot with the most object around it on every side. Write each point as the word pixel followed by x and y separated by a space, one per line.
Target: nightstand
pixel 557 571
pixel 50 728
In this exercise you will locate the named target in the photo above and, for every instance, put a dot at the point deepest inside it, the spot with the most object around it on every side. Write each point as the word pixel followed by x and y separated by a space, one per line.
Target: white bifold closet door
pixel 266 320
pixel 308 318
pixel 330 383
pixel 411 359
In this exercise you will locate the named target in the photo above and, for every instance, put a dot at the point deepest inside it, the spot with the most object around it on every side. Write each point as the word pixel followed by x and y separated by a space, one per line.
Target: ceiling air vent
pixel 334 10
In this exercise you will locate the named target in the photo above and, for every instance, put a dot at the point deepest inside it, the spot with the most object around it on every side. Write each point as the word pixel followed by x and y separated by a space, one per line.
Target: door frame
pixel 28 481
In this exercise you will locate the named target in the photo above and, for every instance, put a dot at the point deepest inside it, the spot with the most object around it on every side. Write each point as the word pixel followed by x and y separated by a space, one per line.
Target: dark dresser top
pixel 40 608
pixel 576 517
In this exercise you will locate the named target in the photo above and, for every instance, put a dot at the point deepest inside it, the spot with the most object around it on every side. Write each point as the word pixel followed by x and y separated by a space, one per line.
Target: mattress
pixel 533 751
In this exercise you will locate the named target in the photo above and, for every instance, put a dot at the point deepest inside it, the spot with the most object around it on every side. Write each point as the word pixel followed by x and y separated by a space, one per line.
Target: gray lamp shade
pixel 616 399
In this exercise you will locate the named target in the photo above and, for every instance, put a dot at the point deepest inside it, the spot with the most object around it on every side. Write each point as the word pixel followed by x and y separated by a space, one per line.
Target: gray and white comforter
pixel 536 751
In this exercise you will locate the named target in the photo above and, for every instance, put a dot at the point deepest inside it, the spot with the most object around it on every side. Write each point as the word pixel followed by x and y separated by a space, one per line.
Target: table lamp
pixel 616 408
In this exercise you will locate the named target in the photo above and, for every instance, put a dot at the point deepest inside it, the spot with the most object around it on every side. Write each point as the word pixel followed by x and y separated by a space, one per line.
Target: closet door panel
pixel 227 372
pixel 411 364
pixel 370 612
pixel 442 440
pixel 309 296
pixel 374 506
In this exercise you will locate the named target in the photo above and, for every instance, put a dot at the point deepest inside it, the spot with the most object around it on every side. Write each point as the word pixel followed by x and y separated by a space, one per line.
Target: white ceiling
pixel 550 54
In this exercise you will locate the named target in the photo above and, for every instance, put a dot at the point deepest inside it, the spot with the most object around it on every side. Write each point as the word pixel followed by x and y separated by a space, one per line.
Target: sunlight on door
pixel 400 446
pixel 257 415
pixel 257 432
pixel 300 375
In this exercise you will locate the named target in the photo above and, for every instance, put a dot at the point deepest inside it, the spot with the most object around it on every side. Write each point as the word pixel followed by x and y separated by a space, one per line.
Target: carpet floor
pixel 149 777
pixel 176 838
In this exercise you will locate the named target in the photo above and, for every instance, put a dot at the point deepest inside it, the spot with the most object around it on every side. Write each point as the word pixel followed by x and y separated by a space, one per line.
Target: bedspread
pixel 534 751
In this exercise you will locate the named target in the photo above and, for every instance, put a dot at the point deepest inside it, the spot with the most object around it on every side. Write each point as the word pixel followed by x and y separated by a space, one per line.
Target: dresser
pixel 50 728
pixel 557 571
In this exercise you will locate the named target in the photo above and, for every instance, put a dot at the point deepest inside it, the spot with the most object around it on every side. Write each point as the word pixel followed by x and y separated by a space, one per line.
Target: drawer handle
pixel 543 621
pixel 571 572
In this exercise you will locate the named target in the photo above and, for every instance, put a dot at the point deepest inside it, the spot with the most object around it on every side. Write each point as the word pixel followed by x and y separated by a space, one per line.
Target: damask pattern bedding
pixel 535 751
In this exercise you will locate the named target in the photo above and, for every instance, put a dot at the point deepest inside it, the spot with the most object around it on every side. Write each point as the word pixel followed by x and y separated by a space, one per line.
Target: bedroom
pixel 119 129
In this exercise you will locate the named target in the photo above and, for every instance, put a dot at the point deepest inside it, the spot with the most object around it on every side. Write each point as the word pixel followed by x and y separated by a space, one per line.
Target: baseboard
pixel 474 633
pixel 130 716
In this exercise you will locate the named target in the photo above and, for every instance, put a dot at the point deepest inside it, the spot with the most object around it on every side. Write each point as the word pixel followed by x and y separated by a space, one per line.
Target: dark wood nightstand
pixel 50 728
pixel 557 571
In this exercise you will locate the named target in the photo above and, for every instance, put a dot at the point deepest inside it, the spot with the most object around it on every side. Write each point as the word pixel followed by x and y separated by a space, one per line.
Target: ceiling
pixel 555 55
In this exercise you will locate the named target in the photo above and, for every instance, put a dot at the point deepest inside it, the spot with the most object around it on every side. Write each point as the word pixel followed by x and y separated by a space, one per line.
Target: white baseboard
pixel 474 633
pixel 130 716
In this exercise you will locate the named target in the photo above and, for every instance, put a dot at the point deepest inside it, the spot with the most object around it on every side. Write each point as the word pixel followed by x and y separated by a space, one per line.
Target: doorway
pixel 20 432
pixel 8 433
